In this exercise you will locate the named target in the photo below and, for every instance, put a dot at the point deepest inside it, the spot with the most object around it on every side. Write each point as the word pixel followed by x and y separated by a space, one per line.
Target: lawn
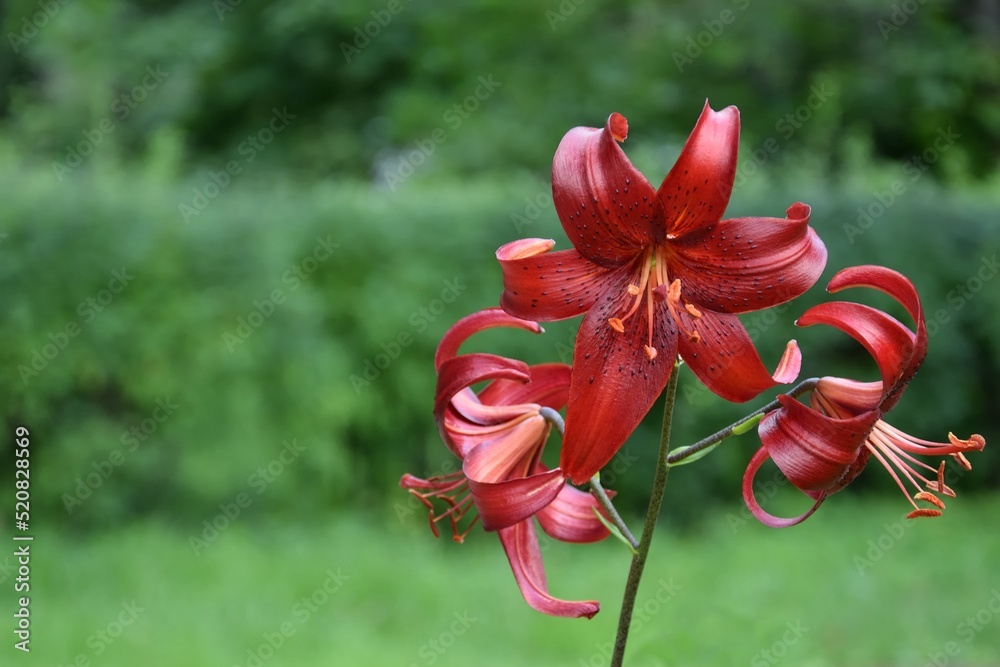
pixel 852 586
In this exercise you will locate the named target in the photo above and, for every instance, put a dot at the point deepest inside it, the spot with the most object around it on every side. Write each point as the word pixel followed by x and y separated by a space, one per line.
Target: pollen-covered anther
pixel 694 312
pixel 694 337
pixel 673 301
pixel 650 351
pixel 930 498
pixel 634 290
pixel 916 514
pixel 975 442
pixel 617 324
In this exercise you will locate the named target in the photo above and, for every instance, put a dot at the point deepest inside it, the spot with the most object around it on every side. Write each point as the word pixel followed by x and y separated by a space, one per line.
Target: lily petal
pixel 549 286
pixel 614 383
pixel 570 517
pixel 549 386
pixel 887 339
pixel 812 450
pixel 746 264
pixel 726 361
pixel 474 323
pixel 751 499
pixel 696 192
pixel 503 504
pixel 607 207
pixel 464 371
pixel 467 407
pixel 520 543
pixel 902 290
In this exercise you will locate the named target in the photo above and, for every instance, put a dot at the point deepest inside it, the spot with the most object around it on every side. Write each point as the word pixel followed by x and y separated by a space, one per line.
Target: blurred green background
pixel 233 233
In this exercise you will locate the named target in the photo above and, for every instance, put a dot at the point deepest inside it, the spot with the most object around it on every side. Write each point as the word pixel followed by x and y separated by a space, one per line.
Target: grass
pixel 812 595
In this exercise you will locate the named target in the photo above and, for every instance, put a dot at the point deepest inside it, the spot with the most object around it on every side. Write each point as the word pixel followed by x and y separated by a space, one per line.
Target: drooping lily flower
pixel 823 447
pixel 499 435
pixel 657 272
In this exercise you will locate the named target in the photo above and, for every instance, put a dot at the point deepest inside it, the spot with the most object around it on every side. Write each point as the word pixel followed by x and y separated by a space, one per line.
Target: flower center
pixel 654 286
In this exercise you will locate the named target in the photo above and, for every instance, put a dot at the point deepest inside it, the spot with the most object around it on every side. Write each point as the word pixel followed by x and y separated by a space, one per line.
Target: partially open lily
pixel 822 447
pixel 499 434
pixel 658 273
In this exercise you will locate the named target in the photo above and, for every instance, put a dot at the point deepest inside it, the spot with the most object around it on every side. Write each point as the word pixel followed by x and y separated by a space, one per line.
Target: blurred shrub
pixel 161 364
pixel 368 81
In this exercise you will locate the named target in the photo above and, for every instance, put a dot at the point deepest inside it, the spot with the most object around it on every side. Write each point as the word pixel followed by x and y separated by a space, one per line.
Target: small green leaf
pixel 613 529
pixel 694 457
pixel 748 424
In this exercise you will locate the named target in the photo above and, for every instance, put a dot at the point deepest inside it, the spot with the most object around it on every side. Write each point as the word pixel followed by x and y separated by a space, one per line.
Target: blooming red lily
pixel 822 448
pixel 657 272
pixel 499 435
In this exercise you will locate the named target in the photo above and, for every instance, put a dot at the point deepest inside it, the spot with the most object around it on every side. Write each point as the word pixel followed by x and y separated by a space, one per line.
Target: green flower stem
pixel 655 500
pixel 616 519
pixel 554 418
pixel 734 429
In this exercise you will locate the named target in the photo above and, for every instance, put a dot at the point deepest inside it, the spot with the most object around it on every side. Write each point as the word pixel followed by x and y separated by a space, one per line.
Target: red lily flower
pixel 499 435
pixel 822 448
pixel 657 272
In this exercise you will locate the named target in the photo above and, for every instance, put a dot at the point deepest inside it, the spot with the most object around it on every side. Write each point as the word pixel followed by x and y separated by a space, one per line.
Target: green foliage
pixel 291 310
pixel 367 83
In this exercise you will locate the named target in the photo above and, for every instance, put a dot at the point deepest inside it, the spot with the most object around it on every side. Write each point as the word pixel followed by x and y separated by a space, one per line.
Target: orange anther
pixel 617 325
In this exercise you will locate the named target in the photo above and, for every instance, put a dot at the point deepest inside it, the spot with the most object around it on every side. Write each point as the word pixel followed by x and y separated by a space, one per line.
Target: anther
pixel 650 352
pixel 617 325
pixel 930 498
pixel 633 290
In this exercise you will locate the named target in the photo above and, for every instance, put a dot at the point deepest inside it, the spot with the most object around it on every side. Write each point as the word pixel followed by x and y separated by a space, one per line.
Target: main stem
pixel 655 500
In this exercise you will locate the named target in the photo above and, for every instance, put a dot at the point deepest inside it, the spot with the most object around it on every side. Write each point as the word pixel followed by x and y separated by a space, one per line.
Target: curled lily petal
pixel 520 543
pixel 474 323
pixel 549 286
pixel 606 206
pixel 813 451
pixel 549 386
pixel 464 371
pixel 725 359
pixel 570 517
pixel 502 504
pixel 746 264
pixel 699 185
pixel 751 499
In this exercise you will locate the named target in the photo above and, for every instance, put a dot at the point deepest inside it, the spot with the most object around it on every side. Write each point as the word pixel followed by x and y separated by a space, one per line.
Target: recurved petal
pixel 849 397
pixel 746 264
pixel 549 286
pixel 520 543
pixel 614 383
pixel 570 517
pixel 470 324
pixel 725 359
pixel 549 386
pixel 887 339
pixel 696 191
pixel 750 498
pixel 813 451
pixel 607 207
pixel 902 290
pixel 502 504
pixel 464 371
pixel 466 406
